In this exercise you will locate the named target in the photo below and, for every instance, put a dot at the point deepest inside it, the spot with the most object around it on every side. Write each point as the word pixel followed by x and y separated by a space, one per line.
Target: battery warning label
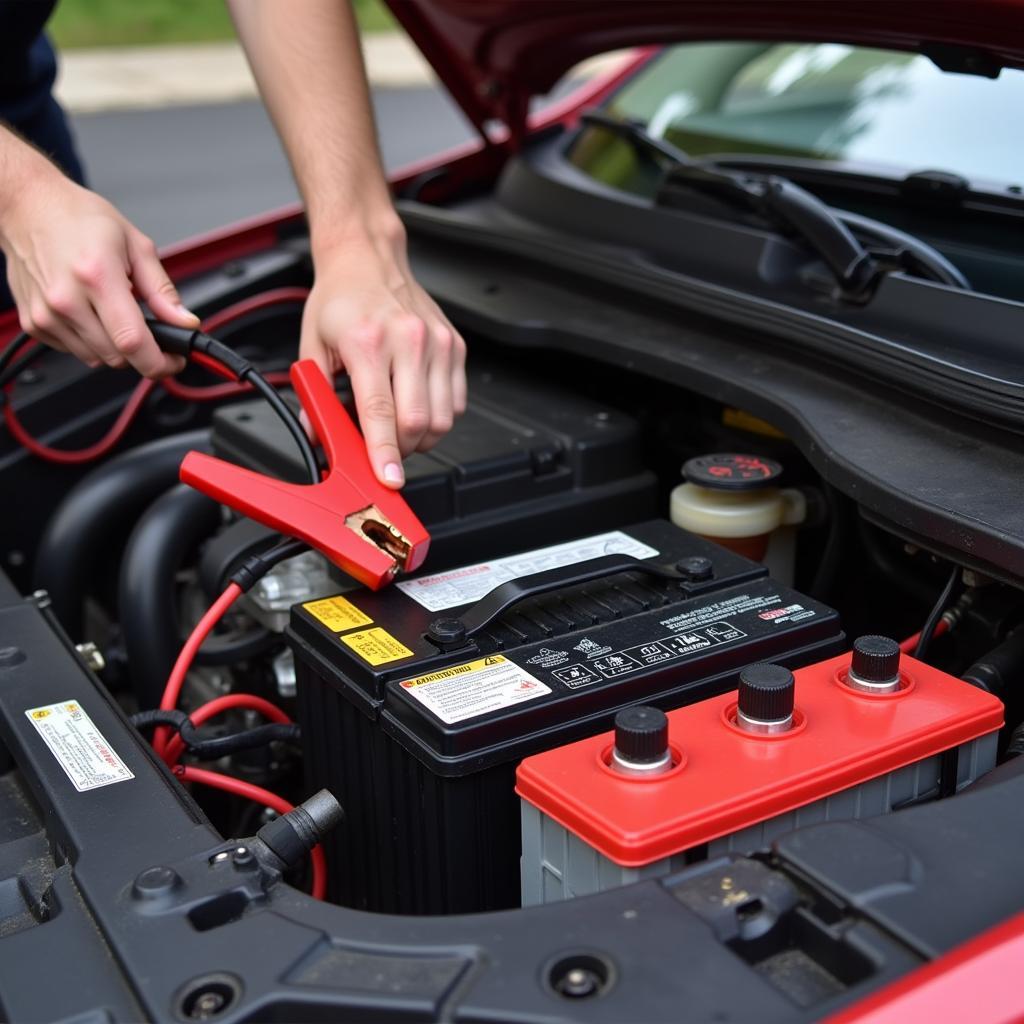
pixel 337 613
pixel 476 688
pixel 80 748
pixel 462 586
pixel 377 646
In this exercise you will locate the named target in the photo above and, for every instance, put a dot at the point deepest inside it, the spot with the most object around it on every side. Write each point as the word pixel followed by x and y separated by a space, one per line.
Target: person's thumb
pixel 153 285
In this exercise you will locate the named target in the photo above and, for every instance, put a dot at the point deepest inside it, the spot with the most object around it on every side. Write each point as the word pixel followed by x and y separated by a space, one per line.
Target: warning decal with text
pixel 337 613
pixel 80 748
pixel 377 646
pixel 476 688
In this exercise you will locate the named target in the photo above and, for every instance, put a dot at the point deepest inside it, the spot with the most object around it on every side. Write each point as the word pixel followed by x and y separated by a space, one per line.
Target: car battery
pixel 861 735
pixel 416 702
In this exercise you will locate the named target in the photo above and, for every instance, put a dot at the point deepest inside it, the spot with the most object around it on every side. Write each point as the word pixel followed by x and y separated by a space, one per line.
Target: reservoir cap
pixel 730 471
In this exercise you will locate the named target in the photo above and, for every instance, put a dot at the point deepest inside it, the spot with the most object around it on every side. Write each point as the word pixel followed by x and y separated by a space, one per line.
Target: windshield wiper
pixel 793 210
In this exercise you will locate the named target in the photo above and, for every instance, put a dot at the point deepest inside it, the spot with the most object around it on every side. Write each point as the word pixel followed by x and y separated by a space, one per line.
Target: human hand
pixel 367 316
pixel 72 263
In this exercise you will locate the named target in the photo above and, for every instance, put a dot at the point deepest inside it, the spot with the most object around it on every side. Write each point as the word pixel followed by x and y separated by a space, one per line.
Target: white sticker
pixel 463 586
pixel 467 691
pixel 80 748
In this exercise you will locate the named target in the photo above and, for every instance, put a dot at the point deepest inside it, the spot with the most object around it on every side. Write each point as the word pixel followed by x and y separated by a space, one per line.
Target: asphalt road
pixel 179 171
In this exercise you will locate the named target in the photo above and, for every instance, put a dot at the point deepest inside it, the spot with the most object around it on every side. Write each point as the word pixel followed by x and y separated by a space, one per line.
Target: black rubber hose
pixel 226 650
pixel 99 510
pixel 1002 668
pixel 170 530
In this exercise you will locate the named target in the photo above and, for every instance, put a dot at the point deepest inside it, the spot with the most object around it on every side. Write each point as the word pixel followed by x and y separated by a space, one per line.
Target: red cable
pixel 261 796
pixel 175 681
pixel 909 645
pixel 214 707
pixel 142 391
pixel 272 297
pixel 94 451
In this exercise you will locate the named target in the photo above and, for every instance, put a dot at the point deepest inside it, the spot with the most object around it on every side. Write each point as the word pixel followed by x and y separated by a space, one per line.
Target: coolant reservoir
pixel 735 501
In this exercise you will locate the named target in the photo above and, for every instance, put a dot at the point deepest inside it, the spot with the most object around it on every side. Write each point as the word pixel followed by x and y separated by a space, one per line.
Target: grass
pixel 83 23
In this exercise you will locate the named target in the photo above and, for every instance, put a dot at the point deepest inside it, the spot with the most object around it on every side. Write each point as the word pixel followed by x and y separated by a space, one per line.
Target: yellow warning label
pixel 377 646
pixel 337 613
pixel 456 670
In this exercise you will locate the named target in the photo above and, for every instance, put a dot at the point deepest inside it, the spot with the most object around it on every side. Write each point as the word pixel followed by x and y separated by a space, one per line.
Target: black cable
pixel 221 746
pixel 290 420
pixel 257 566
pixel 182 341
pixel 936 613
pixel 214 747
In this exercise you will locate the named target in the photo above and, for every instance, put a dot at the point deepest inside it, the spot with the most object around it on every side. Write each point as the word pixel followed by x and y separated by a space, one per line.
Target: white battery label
pixel 79 747
pixel 476 688
pixel 446 590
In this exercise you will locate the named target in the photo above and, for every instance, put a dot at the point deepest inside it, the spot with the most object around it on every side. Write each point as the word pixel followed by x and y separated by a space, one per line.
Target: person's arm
pixel 72 263
pixel 367 314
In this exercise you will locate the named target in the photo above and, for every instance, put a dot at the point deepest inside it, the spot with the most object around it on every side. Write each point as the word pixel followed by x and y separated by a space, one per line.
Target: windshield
pixel 896 111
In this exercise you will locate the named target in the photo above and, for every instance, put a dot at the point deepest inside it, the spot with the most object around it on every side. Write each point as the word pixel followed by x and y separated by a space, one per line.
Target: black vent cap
pixel 876 659
pixel 732 471
pixel 766 693
pixel 641 734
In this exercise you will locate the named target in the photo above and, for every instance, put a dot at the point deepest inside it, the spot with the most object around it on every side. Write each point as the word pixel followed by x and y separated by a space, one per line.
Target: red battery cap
pixel 728 779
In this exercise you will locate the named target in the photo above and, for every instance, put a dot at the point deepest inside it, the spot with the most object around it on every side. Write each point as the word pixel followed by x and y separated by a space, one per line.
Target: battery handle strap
pixel 510 593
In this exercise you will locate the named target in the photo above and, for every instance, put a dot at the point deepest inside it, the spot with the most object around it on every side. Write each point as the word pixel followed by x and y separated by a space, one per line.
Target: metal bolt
pixel 219 858
pixel 155 881
pixel 243 858
pixel 579 983
pixel 695 569
pixel 11 656
pixel 92 656
pixel 207 1005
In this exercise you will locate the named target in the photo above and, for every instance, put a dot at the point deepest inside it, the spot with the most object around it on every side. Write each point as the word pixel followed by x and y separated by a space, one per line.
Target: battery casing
pixel 420 744
pixel 587 828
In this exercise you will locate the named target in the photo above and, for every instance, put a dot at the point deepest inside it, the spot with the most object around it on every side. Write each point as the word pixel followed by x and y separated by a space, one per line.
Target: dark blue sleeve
pixel 29 107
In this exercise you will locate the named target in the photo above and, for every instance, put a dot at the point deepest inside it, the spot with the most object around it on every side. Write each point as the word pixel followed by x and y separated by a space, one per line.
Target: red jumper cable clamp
pixel 366 529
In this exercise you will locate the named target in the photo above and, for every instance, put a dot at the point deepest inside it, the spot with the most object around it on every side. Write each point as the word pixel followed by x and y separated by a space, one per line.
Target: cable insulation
pixel 259 795
pixel 218 705
pixel 935 616
pixel 175 681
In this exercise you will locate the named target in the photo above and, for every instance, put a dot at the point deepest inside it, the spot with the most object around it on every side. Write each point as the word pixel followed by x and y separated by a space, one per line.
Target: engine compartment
pixel 560 460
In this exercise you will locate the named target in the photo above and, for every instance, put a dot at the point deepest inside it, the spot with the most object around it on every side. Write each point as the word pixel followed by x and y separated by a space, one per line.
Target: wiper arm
pixel 770 196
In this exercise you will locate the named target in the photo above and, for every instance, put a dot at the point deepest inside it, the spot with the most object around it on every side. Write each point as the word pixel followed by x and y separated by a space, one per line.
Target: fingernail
pixel 185 312
pixel 393 473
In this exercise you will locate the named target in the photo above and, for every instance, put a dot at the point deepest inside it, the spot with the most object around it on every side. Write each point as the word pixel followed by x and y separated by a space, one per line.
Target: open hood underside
pixel 493 55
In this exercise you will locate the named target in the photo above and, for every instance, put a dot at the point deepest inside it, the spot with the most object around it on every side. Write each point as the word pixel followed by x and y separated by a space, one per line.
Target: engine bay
pixel 650 634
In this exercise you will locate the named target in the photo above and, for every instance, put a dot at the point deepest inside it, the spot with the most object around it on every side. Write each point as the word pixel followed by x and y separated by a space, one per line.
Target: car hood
pixel 493 55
